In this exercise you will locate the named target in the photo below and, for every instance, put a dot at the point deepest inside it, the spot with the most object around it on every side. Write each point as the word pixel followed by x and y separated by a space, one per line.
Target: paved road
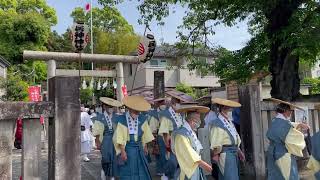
pixel 91 170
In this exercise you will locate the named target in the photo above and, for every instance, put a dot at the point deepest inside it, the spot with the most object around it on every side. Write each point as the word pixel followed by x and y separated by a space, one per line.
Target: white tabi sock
pixel 103 176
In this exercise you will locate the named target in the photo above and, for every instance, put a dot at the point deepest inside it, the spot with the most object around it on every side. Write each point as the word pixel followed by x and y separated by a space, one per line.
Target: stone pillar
pixel 31 151
pixel 158 85
pixel 120 80
pixel 64 129
pixel 51 72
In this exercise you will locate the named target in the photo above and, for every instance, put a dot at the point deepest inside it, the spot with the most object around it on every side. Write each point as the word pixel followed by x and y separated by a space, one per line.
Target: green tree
pixel 107 19
pixel 112 33
pixel 24 25
pixel 315 84
pixel 182 87
pixel 117 43
pixel 109 92
pixel 16 88
pixel 86 95
pixel 283 32
pixel 61 43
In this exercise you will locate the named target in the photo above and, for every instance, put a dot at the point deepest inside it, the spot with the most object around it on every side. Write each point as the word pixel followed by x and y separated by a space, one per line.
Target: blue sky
pixel 231 38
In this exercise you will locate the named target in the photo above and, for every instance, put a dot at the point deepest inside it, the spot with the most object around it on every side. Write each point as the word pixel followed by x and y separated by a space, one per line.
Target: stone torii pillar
pixel 53 57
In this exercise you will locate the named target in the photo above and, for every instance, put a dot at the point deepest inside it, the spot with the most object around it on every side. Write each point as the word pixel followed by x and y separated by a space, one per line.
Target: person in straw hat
pixel 187 147
pixel 130 140
pixel 154 122
pixel 225 140
pixel 286 141
pixel 170 120
pixel 314 161
pixel 103 130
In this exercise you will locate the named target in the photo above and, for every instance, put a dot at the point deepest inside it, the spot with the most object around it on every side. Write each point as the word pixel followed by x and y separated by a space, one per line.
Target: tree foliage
pixel 107 19
pixel 86 95
pixel 315 84
pixel 283 32
pixel 182 87
pixel 117 43
pixel 24 25
pixel 16 88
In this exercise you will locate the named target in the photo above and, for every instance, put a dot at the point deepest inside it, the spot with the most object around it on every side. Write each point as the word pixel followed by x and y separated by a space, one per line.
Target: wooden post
pixel 252 131
pixel 158 84
pixel 120 80
pixel 6 145
pixel 31 151
pixel 64 129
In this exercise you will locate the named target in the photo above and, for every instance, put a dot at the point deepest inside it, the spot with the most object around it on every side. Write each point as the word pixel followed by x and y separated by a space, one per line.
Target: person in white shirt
pixel 86 134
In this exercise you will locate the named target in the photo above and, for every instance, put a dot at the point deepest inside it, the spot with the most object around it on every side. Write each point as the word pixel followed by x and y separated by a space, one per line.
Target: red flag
pixel 88 7
pixel 124 90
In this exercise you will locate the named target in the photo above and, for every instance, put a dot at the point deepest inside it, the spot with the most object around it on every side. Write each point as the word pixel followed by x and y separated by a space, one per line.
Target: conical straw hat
pixel 285 102
pixel 200 109
pixel 226 102
pixel 137 103
pixel 110 102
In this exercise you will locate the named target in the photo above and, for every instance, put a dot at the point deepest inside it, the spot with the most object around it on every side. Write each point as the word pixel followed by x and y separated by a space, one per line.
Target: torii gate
pixel 52 57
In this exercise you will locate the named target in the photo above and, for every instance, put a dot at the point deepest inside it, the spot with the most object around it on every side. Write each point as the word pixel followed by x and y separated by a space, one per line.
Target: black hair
pixel 220 107
pixel 281 108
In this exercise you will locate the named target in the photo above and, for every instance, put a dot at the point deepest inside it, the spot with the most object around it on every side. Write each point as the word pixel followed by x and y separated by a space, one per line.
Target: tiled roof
pixel 4 61
pixel 147 93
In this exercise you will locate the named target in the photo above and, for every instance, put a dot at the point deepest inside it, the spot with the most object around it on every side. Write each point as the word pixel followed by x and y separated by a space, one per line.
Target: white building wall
pixel 192 79
pixel 170 76
pixel 265 91
pixel 315 71
pixel 173 75
pixel 3 72
pixel 140 79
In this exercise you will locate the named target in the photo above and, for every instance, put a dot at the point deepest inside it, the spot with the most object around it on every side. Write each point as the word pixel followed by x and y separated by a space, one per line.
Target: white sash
pixel 176 117
pixel 132 124
pixel 227 124
pixel 198 146
pixel 109 121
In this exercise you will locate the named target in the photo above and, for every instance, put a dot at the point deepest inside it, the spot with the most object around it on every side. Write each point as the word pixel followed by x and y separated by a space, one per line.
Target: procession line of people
pixel 170 130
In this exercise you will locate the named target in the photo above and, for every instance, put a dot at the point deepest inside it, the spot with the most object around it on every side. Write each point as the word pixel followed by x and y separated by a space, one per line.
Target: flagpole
pixel 91 33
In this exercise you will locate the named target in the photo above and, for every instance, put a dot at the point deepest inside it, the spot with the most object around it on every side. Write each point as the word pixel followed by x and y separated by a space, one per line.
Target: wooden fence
pixel 255 118
pixel 63 112
pixel 268 112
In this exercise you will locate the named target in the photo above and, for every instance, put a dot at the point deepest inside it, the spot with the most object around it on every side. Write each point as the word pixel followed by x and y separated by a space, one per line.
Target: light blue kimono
pixel 159 167
pixel 108 160
pixel 170 166
pixel 277 134
pixel 315 141
pixel 231 163
pixel 136 166
pixel 198 174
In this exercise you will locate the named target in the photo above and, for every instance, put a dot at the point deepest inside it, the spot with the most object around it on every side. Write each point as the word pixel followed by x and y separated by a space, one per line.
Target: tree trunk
pixel 284 67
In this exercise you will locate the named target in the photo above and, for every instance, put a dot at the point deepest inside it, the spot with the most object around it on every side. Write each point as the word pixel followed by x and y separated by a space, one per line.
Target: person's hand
pixel 303 126
pixel 146 152
pixel 216 158
pixel 124 155
pixel 241 155
pixel 98 144
pixel 205 166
